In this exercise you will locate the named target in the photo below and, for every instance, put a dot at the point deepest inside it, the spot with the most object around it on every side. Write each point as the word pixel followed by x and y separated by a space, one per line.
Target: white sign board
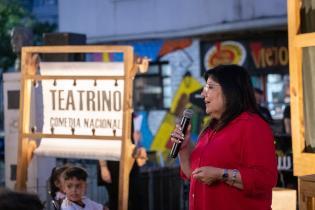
pixel 83 106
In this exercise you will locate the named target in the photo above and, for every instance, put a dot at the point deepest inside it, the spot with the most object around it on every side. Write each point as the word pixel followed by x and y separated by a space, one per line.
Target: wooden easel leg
pixel 22 165
pixel 310 203
pixel 124 173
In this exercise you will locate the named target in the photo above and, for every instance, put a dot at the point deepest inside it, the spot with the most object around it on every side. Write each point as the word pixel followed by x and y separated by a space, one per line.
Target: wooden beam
pixel 304 164
pixel 79 49
pixel 28 64
pixel 73 77
pixel 126 149
pixel 304 40
pixel 65 136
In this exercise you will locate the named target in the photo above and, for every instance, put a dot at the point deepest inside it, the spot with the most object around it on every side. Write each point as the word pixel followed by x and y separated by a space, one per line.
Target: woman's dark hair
pixel 237 90
pixel 75 172
pixel 55 175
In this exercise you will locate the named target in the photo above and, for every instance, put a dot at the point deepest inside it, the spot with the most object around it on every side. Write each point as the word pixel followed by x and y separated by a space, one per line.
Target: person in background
pixel 265 113
pixel 109 172
pixel 74 188
pixel 56 184
pixel 286 176
pixel 233 164
pixel 287 112
pixel 287 120
pixel 11 200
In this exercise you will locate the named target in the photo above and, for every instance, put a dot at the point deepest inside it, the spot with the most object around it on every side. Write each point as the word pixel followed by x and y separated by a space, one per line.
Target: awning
pixel 80 148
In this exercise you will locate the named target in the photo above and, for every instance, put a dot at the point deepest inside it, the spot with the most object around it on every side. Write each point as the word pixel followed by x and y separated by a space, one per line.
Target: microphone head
pixel 188 113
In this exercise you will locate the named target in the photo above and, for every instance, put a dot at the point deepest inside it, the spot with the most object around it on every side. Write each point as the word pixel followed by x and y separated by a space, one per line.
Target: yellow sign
pixel 227 52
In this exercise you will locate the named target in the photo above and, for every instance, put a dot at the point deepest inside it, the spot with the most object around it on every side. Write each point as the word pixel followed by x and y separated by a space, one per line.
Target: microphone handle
pixel 175 150
pixel 176 146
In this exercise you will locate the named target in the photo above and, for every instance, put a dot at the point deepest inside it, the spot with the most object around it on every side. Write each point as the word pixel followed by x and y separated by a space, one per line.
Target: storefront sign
pixel 264 56
pixel 259 56
pixel 227 52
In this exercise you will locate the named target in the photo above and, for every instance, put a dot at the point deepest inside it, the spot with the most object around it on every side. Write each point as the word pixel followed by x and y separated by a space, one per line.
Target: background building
pixel 185 38
pixel 43 10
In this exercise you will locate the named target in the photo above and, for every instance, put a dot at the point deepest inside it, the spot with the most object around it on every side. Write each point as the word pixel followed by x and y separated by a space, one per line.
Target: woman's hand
pixel 177 136
pixel 207 174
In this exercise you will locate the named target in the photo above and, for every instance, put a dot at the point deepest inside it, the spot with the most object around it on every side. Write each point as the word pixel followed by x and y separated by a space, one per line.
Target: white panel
pixel 82 68
pixel 80 148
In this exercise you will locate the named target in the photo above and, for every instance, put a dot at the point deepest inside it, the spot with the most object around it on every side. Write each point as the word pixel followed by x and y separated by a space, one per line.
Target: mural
pixel 159 139
pixel 183 57
pixel 153 50
pixel 179 103
pixel 226 52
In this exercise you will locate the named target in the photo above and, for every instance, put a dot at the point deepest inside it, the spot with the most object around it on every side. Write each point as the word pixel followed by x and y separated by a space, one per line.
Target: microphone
pixel 187 114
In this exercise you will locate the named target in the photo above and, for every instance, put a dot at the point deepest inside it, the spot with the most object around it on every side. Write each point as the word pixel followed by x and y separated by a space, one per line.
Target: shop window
pixel 152 90
pixel 277 94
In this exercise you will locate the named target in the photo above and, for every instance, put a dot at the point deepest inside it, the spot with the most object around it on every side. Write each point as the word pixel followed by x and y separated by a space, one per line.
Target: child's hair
pixel 75 172
pixel 54 177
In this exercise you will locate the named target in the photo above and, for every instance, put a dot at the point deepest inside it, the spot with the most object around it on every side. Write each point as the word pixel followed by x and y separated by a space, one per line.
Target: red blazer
pixel 246 144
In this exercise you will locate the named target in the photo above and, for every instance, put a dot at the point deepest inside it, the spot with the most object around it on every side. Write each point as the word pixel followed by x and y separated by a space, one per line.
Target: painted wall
pixel 137 19
pixel 182 55
pixel 194 56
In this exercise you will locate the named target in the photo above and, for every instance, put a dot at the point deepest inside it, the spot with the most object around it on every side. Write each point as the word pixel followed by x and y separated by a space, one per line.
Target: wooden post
pixel 29 65
pixel 126 150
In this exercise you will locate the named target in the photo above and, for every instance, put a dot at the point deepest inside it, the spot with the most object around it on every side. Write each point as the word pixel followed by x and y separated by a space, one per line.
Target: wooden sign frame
pixel 303 163
pixel 27 138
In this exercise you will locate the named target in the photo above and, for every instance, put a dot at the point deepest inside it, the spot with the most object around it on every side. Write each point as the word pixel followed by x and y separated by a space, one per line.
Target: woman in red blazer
pixel 233 165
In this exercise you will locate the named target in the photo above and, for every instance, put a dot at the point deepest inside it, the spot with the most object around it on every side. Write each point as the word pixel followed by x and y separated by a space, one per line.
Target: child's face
pixel 74 189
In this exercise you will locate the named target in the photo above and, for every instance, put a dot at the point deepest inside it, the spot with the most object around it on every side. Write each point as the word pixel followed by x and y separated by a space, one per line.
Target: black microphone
pixel 187 114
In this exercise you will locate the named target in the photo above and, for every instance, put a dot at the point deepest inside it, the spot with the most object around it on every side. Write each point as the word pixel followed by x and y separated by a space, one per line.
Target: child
pixel 74 187
pixel 56 182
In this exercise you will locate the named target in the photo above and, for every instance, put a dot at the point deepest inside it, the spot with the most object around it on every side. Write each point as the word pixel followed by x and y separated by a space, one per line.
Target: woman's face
pixel 214 98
